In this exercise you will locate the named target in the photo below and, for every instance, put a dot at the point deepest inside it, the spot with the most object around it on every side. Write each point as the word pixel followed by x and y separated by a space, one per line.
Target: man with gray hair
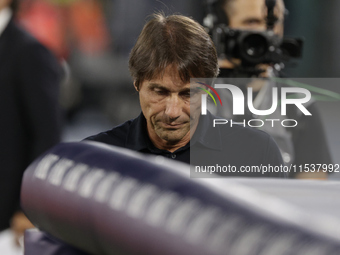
pixel 169 52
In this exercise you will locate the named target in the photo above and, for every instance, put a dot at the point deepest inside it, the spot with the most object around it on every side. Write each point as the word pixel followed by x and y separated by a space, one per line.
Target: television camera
pixel 252 47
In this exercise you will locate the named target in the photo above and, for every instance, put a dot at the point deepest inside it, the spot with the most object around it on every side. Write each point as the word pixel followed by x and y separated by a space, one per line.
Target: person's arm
pixel 38 79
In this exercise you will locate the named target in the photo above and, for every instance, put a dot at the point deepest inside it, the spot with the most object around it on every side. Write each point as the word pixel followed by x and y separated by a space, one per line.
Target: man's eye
pixel 160 92
pixel 186 94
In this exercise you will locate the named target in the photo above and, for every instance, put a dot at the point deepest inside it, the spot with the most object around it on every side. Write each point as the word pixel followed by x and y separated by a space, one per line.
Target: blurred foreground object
pixel 103 200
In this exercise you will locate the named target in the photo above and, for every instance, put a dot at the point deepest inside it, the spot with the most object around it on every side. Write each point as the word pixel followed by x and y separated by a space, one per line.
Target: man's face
pixel 251 14
pixel 165 103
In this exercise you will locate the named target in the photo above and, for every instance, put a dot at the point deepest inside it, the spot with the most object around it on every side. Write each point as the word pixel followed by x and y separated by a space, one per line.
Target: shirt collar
pixel 206 134
pixel 5 17
pixel 138 138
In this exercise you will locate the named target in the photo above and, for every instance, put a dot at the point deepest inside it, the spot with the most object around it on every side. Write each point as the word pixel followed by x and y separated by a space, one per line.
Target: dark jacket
pixel 29 111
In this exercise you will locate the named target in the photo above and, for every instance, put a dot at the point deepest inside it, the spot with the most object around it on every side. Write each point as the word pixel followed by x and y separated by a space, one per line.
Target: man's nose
pixel 173 107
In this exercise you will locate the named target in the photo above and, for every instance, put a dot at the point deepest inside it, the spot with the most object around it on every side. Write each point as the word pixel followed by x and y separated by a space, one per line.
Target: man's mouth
pixel 172 125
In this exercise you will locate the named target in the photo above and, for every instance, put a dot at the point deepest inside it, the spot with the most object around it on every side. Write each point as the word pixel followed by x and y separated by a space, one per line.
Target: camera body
pixel 254 47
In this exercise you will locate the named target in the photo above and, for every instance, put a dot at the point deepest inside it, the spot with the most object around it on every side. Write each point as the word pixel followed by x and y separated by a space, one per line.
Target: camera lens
pixel 254 47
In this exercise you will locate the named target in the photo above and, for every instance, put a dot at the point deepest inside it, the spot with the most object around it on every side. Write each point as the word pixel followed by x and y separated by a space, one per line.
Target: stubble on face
pixel 165 103
pixel 170 130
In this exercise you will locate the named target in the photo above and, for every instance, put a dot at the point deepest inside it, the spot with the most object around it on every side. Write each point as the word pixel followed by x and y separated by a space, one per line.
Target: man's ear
pixel 134 84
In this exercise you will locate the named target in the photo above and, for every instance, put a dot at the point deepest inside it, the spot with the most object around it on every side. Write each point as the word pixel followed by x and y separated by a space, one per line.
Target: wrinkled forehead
pixel 171 74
